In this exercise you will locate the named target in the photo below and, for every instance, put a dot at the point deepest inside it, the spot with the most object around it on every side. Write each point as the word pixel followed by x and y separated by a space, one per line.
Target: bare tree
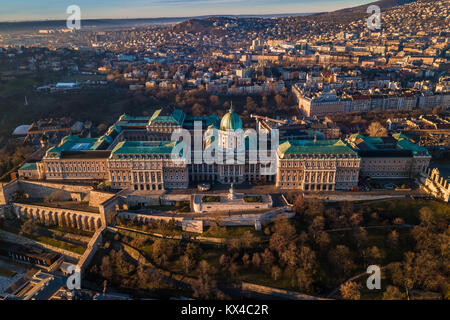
pixel 246 260
pixel 187 263
pixel 373 255
pixel 256 260
pixel 276 272
pixel 206 285
pixel 393 293
pixel 377 130
pixel 393 239
pixel 341 259
pixel 350 291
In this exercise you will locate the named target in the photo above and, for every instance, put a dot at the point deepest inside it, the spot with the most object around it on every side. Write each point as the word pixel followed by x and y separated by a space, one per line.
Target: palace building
pixel 137 153
pixel 390 157
pixel 323 165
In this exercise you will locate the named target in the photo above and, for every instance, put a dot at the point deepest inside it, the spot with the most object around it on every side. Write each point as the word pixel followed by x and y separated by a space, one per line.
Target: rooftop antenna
pixel 26 101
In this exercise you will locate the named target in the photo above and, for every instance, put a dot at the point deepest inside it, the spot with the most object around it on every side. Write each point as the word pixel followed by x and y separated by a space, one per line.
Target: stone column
pixel 73 218
pixel 92 224
pixel 45 216
pixel 80 222
pixel 85 223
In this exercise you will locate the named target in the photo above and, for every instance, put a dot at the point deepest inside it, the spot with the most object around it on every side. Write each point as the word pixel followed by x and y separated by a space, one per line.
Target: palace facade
pixel 137 153
pixel 323 165
pixel 390 157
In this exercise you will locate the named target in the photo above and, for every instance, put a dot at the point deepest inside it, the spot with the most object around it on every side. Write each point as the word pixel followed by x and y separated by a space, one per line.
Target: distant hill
pixel 86 23
pixel 15 26
pixel 195 25
pixel 204 23
pixel 342 16
pixel 354 13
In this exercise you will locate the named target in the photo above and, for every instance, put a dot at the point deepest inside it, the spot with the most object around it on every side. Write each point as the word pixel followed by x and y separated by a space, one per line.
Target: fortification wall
pixel 59 216
pixel 98 197
pixel 93 245
pixel 41 189
pixel 7 191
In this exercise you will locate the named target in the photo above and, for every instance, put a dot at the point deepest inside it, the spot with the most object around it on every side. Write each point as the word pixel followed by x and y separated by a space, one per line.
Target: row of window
pixel 321 156
pixel 307 178
pixel 309 187
pixel 144 156
pixel 315 164
pixel 148 187
pixel 75 169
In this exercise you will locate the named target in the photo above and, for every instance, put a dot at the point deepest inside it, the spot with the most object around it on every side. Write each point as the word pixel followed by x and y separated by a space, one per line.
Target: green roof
pixel 211 121
pixel 177 116
pixel 29 166
pixel 315 147
pixel 402 143
pixel 231 121
pixel 127 120
pixel 406 144
pixel 74 143
pixel 369 141
pixel 144 147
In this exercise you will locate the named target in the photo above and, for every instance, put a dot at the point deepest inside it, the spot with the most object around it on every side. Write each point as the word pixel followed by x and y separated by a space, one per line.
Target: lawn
pixel 231 232
pixel 57 243
pixel 165 231
pixel 210 199
pixel 71 230
pixel 183 206
pixel 253 199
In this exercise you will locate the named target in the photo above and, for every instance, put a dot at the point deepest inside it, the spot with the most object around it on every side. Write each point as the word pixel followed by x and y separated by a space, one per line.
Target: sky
pixel 21 10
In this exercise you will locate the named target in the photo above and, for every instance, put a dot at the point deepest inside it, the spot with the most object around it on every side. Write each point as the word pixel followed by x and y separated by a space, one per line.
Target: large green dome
pixel 231 121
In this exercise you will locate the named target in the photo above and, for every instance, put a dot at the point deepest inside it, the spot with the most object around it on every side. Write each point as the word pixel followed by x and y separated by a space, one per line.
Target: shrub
pixel 211 199
pixel 253 199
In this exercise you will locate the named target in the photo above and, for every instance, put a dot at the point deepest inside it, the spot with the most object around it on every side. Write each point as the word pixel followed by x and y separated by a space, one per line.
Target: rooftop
pixel 395 145
pixel 177 116
pixel 144 147
pixel 315 147
pixel 74 143
pixel 29 166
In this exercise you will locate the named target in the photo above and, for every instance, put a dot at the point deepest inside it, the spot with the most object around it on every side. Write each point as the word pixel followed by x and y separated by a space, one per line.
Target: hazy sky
pixel 11 10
